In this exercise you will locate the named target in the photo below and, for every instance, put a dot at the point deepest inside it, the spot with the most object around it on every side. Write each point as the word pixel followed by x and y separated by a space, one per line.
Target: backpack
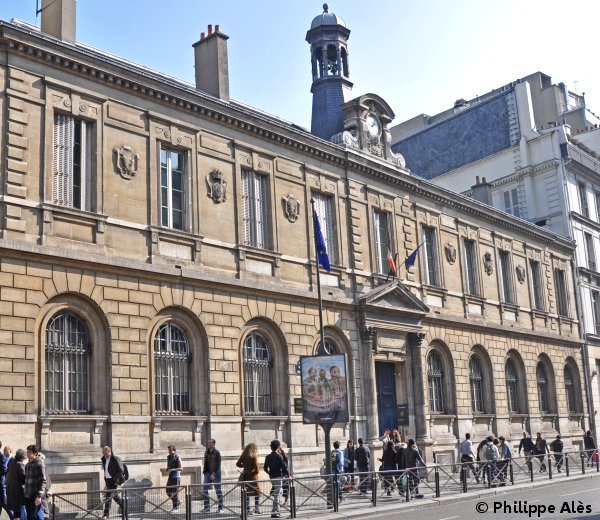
pixel 125 473
pixel 506 451
pixel 490 452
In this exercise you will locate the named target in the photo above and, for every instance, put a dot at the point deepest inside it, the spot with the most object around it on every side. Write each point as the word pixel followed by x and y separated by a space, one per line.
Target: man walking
pixel 212 476
pixel 363 458
pixel 590 447
pixel 113 477
pixel 527 446
pixel 557 447
pixel 466 458
pixel 173 482
pixel 337 465
pixel 275 467
pixel 35 482
pixel 541 448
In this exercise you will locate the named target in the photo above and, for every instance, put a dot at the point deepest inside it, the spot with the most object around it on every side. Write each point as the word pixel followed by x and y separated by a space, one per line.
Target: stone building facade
pixel 157 281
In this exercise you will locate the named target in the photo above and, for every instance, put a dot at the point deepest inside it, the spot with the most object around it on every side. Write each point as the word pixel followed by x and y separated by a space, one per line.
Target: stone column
pixel 415 344
pixel 369 383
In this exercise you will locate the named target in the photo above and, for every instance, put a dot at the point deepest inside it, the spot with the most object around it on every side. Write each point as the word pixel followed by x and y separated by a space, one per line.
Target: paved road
pixel 576 499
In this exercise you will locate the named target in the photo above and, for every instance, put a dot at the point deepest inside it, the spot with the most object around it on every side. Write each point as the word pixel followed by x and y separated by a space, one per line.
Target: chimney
pixel 58 19
pixel 212 69
pixel 482 191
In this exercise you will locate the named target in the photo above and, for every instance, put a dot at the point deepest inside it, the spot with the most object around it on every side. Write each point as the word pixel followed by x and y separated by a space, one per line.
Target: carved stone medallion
pixel 291 207
pixel 450 253
pixel 126 162
pixel 488 264
pixel 520 273
pixel 217 186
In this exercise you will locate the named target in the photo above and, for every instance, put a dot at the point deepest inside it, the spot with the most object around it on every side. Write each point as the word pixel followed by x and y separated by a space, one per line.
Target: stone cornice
pixel 144 82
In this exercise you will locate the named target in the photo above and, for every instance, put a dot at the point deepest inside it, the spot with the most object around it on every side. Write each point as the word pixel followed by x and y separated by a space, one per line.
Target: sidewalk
pixel 366 511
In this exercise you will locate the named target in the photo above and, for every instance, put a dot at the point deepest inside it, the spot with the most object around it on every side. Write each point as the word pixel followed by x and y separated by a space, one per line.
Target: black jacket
pixel 362 457
pixel 588 442
pixel 411 457
pixel 115 468
pixel 212 462
pixel 275 465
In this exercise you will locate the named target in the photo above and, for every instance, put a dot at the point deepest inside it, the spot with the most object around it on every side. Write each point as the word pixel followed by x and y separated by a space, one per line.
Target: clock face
pixel 373 125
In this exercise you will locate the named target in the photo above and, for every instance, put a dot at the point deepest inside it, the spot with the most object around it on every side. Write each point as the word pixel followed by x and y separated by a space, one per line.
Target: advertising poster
pixel 324 389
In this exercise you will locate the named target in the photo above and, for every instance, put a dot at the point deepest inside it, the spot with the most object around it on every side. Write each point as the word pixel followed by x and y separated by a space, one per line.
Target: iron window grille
pixel 68 352
pixel 542 384
pixel 512 387
pixel 171 370
pixel 435 375
pixel 172 188
pixel 258 366
pixel 71 169
pixel 476 380
pixel 326 349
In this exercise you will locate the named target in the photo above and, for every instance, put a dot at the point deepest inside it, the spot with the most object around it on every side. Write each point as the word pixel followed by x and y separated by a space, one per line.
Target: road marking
pixel 578 492
pixel 449 517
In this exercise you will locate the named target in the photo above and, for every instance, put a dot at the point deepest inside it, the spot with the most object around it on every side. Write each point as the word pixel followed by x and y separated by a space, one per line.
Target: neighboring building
pixel 158 286
pixel 535 151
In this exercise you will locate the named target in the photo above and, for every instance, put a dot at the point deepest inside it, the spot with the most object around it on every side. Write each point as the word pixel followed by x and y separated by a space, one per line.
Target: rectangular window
pixel 597 207
pixel 506 278
pixel 561 292
pixel 172 188
pixel 511 202
pixel 585 211
pixel 382 241
pixel 431 258
pixel 324 209
pixel 254 207
pixel 72 162
pixel 596 311
pixel 589 251
pixel 536 285
pixel 471 267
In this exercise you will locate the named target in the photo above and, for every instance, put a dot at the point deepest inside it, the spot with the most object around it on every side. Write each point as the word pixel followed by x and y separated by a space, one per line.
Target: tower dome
pixel 327 18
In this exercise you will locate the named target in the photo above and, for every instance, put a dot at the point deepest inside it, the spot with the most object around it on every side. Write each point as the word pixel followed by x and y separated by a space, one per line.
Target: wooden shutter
pixel 86 166
pixel 246 206
pixel 260 210
pixel 62 182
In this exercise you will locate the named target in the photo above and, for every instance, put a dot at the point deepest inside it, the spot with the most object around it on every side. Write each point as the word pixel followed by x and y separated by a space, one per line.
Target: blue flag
pixel 320 244
pixel 410 259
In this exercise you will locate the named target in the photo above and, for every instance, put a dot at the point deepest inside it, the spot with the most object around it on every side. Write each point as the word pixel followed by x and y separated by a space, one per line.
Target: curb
pixel 434 502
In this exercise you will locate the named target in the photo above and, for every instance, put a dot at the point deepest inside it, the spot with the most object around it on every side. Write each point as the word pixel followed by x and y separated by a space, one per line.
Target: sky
pixel 420 56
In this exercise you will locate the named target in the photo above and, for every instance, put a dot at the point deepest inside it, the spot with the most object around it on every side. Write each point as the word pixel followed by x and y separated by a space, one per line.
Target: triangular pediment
pixel 393 296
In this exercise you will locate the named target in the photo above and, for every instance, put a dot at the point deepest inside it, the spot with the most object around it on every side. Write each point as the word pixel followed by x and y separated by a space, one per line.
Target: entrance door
pixel 386 395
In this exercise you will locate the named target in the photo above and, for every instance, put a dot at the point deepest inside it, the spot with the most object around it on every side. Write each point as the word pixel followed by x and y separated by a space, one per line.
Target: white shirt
pixel 466 447
pixel 106 463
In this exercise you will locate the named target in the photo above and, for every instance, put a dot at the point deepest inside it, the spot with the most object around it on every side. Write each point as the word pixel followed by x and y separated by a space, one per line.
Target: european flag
pixel 320 243
pixel 410 259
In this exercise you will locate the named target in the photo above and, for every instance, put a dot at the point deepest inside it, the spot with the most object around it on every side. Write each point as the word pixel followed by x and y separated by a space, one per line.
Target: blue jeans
pixel 206 486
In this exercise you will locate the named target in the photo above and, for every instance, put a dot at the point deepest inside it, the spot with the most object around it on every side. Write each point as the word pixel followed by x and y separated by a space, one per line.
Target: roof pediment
pixel 393 296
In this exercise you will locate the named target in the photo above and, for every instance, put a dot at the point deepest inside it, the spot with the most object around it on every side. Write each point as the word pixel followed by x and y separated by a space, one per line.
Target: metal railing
pixel 313 495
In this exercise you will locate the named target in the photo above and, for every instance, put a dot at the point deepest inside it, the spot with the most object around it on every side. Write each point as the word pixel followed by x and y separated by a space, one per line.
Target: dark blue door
pixel 386 396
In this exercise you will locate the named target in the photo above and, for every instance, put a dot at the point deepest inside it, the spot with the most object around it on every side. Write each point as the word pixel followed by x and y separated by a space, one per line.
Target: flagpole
pixel 326 426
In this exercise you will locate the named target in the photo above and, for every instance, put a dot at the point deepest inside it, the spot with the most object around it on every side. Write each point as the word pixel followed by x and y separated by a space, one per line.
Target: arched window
pixel 435 375
pixel 512 387
pixel 68 352
pixel 570 390
pixel 542 384
pixel 171 370
pixel 258 364
pixel 327 349
pixel 476 380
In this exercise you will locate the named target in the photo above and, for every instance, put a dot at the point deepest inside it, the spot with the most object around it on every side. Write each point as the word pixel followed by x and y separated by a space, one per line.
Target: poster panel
pixel 324 389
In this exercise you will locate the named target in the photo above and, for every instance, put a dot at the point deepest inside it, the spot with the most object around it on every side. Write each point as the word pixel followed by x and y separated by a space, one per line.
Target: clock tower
pixel 331 86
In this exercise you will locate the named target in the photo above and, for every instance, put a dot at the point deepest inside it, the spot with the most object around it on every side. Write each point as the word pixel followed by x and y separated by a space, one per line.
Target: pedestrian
pixel 386 437
pixel 275 467
pixel 4 460
pixel 557 447
pixel 248 461
pixel 590 447
pixel 349 458
pixel 34 490
pixel 212 476
pixel 113 477
pixel 388 460
pixel 491 457
pixel 174 469
pixel 15 480
pixel 363 463
pixel 480 457
pixel 337 466
pixel 396 438
pixel 527 445
pixel 541 448
pixel 505 459
pixel 466 458
pixel 412 461
pixel 400 466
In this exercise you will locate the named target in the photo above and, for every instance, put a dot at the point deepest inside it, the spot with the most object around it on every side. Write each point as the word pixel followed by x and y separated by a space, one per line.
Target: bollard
pixel 334 493
pixel 595 455
pixel 292 499
pixel 464 470
pixel 530 464
pixel 488 470
pixel 549 467
pixel 511 473
pixel 52 510
pixel 583 463
pixel 373 477
pixel 244 496
pixel 124 512
pixel 437 483
pixel 567 464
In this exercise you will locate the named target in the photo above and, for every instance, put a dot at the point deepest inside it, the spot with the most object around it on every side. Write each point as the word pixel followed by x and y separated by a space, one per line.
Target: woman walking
pixel 15 482
pixel 248 461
